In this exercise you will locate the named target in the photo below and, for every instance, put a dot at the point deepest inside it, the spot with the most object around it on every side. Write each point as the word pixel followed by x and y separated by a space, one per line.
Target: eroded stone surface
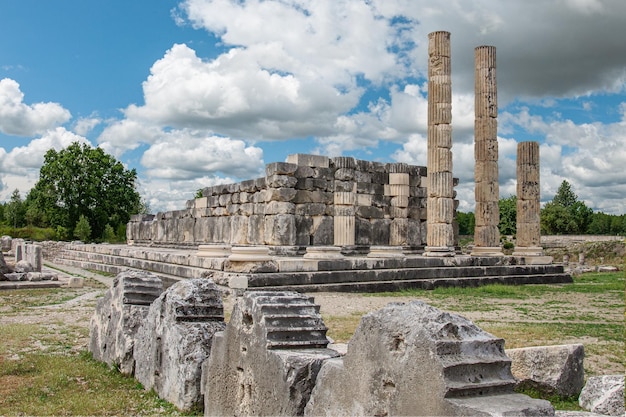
pixel 266 361
pixel 118 316
pixel 176 339
pixel 604 395
pixel 550 369
pixel 413 359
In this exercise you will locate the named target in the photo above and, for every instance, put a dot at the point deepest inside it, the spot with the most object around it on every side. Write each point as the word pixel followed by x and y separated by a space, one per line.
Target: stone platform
pixel 353 273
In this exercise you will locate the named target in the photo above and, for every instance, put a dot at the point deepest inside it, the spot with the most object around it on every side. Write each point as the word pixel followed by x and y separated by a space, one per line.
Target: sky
pixel 196 93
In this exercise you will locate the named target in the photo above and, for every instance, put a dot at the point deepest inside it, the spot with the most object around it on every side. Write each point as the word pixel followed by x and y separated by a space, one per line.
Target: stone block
pixel 312 184
pixel 118 316
pixel 281 181
pixel 239 230
pixel 380 231
pixel 280 230
pixel 344 186
pixel 317 196
pixel 248 186
pixel 267 360
pixel 304 225
pixel 309 160
pixel 280 207
pixel 345 174
pixel 369 212
pixel 362 176
pixel 280 194
pixel 225 199
pixel 413 359
pixel 323 230
pixel 280 168
pixel 363 200
pixel 550 369
pixel 201 203
pixel 310 209
pixel 604 395
pixel 362 232
pixel 369 188
pixel 176 339
pixel 256 229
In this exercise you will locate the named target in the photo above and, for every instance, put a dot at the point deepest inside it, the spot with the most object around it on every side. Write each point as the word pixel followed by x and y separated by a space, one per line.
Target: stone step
pixel 285 321
pixel 426 284
pixel 494 386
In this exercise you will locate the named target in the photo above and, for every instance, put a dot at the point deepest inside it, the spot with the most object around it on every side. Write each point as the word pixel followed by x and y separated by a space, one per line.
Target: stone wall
pixel 296 204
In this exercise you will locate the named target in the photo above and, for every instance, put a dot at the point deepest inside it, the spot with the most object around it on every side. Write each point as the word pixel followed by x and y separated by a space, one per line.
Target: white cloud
pixel 20 119
pixel 20 166
pixel 85 125
pixel 183 156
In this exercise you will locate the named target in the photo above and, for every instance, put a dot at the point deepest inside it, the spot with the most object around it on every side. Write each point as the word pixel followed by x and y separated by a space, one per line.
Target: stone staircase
pixel 356 273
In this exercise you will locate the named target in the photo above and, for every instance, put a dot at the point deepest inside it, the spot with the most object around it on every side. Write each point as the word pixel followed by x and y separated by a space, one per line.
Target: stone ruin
pixel 119 314
pixel 267 360
pixel 28 263
pixel 176 338
pixel 273 358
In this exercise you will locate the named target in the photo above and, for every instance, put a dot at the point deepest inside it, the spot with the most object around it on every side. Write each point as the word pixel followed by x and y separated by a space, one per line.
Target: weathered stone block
pixel 369 212
pixel 280 207
pixel 344 186
pixel 280 168
pixel 550 369
pixel 256 229
pixel 176 339
pixel 309 160
pixel 280 229
pixel 281 181
pixel 412 359
pixel 310 209
pixel 312 184
pixel 266 361
pixel 118 316
pixel 604 395
pixel 239 230
pixel 281 194
pixel 304 226
pixel 363 231
pixel 345 174
pixel 323 230
pixel 303 197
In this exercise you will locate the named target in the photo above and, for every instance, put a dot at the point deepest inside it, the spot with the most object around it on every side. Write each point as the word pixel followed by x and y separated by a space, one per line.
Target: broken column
pixel 528 234
pixel 266 361
pixel 413 359
pixel 176 339
pixel 486 191
pixel 440 233
pixel 118 316
pixel 398 209
pixel 345 200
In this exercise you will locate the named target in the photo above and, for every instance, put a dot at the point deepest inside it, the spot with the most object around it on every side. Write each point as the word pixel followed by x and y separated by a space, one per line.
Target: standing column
pixel 344 200
pixel 528 221
pixel 487 190
pixel 440 206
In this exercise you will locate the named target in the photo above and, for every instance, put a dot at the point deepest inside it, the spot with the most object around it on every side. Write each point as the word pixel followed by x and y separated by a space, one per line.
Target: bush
pixel 83 229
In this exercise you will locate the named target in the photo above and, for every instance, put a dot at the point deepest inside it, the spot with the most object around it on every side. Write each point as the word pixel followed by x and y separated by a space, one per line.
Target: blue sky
pixel 199 92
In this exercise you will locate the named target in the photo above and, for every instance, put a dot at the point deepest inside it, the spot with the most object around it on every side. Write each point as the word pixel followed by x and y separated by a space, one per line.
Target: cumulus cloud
pixel 183 156
pixel 20 166
pixel 20 119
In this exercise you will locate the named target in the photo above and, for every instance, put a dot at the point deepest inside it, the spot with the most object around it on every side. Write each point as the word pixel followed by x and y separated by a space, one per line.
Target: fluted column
pixel 528 236
pixel 486 191
pixel 344 200
pixel 440 206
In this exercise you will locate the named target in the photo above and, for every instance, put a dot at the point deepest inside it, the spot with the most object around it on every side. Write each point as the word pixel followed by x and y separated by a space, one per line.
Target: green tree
pixel 84 181
pixel 508 215
pixel 466 222
pixel 14 210
pixel 82 230
pixel 565 214
pixel 109 234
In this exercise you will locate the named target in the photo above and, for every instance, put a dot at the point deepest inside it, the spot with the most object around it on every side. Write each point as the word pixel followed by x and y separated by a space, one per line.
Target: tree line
pixel 82 193
pixel 564 215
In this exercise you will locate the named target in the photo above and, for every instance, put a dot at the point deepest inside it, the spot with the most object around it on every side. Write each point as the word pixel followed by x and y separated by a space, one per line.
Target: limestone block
pixel 396 190
pixel 486 129
pixel 550 369
pixel 280 207
pixel 118 316
pixel 413 359
pixel 400 201
pixel 381 231
pixel 398 179
pixel 233 209
pixel 362 176
pixel 486 150
pixel 176 338
pixel 441 233
pixel 323 230
pixel 345 210
pixel 364 200
pixel 201 203
pixel 440 210
pixel 487 212
pixel 280 168
pixel 309 160
pixel 317 196
pixel 414 234
pixel 75 282
pixel 440 159
pixel 224 199
pixel 312 184
pixel 604 395
pixel 398 212
pixel 310 209
pixel 6 243
pixel 280 229
pixel 344 186
pixel 281 181
pixel 440 184
pixel 441 135
pixel 345 174
pixel 528 211
pixel 239 230
pixel 362 231
pixel 280 194
pixel 398 233
pixel 267 360
pixel 23 267
pixel 248 186
pixel 528 190
pixel 4 268
pixel 345 198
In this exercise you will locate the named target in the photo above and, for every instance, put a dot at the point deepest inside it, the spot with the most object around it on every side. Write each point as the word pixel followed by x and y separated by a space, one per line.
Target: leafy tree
pixel 14 210
pixel 82 230
pixel 109 234
pixel 565 214
pixel 84 181
pixel 508 215
pixel 466 222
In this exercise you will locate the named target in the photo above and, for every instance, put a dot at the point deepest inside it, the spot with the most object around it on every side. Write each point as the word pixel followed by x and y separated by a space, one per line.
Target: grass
pixel 41 384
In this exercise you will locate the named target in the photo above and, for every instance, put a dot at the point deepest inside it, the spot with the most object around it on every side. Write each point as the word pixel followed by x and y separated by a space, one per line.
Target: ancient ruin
pixel 486 191
pixel 176 338
pixel 440 239
pixel 118 316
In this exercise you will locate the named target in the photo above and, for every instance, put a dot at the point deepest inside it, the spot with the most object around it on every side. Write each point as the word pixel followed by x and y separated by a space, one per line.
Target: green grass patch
pixel 72 385
pixel 558 402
